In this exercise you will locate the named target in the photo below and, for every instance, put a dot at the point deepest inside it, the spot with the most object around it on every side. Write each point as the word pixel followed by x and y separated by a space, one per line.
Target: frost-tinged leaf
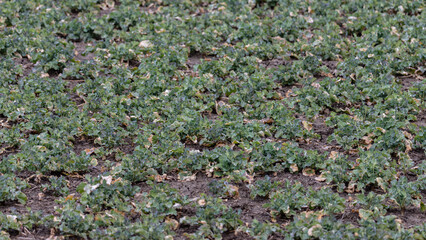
pixel 145 44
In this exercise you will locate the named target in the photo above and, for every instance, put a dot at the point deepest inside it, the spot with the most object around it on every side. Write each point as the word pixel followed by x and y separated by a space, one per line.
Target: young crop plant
pixel 162 201
pixel 263 187
pixel 8 224
pixel 370 166
pixel 264 230
pixel 372 205
pixel 293 198
pixel 11 188
pixel 47 153
pixel 288 200
pixel 314 225
pixel 384 225
pixel 405 193
pixel 58 186
pixel 105 192
pixel 337 170
pixel 212 218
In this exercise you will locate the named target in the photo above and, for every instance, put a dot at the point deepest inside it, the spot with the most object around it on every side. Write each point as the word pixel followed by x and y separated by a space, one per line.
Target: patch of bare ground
pixel 150 9
pixel 321 144
pixel 125 148
pixel 210 115
pixel 128 146
pixel 108 7
pixel 81 53
pixel 74 97
pixel 5 151
pixel 408 81
pixel 83 143
pixel 195 58
pixel 306 181
pixel 417 155
pixel 332 65
pixel 26 64
pixel 421 119
pixel 286 91
pixel 411 217
pixel 274 63
pixel 38 233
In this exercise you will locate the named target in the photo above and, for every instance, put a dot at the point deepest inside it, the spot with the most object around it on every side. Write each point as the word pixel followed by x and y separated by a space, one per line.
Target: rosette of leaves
pixel 383 226
pixel 370 166
pixel 263 230
pixel 73 219
pixel 146 227
pixel 294 197
pixel 109 224
pixel 161 201
pixel 104 192
pixel 57 186
pixel 420 231
pixel 348 132
pixel 337 170
pixel 269 156
pixel 288 200
pixel 405 193
pixel 286 75
pixel 46 153
pixel 420 138
pixel 263 187
pixel 372 205
pixel 327 200
pixel 11 188
pixel 314 225
pixel 8 224
pixel 212 219
pixel 226 161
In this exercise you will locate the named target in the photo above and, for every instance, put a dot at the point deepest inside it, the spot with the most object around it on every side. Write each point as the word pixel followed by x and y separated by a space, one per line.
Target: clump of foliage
pixel 263 187
pixel 11 188
pixel 128 98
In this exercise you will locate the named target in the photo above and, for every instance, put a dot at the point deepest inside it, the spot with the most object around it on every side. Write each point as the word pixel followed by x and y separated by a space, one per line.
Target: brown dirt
pixel 407 81
pixel 410 218
pixel 417 155
pixel 80 49
pixel 71 84
pixel 82 143
pixel 274 63
pixel 421 119
pixel 26 64
pixel 195 58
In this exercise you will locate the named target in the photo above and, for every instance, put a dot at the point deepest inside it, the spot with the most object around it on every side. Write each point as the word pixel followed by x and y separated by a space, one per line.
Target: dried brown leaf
pixel 309 172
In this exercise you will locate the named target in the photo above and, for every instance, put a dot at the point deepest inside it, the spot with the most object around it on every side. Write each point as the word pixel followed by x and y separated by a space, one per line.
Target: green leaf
pixel 22 198
pixel 80 187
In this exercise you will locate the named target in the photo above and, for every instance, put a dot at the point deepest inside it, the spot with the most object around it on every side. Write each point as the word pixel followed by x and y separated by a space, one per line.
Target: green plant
pixel 11 188
pixel 58 186
pixel 404 193
pixel 105 192
pixel 263 187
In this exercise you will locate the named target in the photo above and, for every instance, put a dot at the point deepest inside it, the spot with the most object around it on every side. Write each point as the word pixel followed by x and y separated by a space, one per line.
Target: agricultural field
pixel 208 119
